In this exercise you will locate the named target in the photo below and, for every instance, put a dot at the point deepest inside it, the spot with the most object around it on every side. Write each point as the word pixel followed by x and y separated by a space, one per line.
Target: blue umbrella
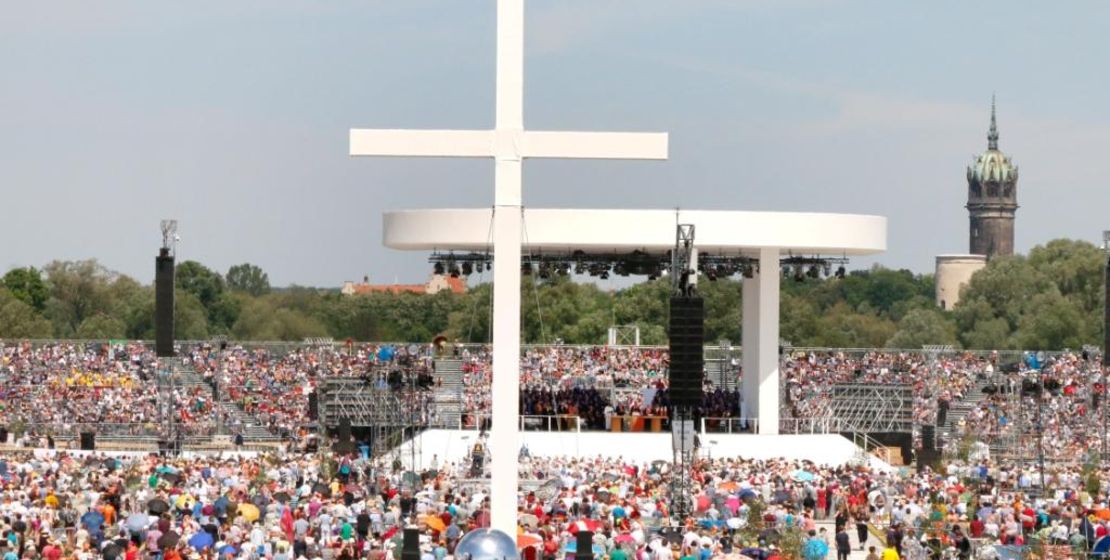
pixel 1102 547
pixel 228 549
pixel 385 353
pixel 802 475
pixel 747 493
pixel 201 540
pixel 92 520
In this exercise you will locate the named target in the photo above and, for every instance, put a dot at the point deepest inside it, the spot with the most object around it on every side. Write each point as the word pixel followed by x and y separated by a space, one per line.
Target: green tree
pixel 1051 321
pixel 199 280
pixel 101 327
pixel 27 285
pixel 19 320
pixel 262 320
pixel 248 278
pixel 78 291
pixel 190 319
pixel 923 326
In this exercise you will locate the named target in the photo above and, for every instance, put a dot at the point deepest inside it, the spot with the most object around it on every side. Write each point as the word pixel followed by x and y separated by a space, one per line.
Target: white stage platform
pixel 454 445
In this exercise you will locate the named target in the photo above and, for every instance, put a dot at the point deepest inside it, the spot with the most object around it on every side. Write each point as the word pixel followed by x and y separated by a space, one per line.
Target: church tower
pixel 992 198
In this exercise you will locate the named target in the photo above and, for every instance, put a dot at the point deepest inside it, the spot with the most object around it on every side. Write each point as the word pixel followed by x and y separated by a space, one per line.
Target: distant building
pixel 952 274
pixel 991 207
pixel 992 199
pixel 437 283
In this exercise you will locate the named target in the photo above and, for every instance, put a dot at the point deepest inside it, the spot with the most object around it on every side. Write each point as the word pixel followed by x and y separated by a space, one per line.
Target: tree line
pixel 1050 299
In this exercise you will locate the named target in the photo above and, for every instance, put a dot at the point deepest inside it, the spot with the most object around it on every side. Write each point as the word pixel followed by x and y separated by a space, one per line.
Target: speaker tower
pixel 687 351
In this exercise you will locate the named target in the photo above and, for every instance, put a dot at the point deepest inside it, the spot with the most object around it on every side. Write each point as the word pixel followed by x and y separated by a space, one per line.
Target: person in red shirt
pixel 976 527
pixel 51 551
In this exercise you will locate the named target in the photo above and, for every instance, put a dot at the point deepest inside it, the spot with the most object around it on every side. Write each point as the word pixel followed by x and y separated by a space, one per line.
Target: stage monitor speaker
pixel 343 444
pixel 410 544
pixel 928 437
pixel 927 458
pixel 585 549
pixel 88 441
pixel 163 304
pixel 687 351
pixel 313 406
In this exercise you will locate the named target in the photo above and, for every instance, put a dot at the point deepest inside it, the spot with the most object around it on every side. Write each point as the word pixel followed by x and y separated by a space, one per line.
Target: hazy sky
pixel 232 117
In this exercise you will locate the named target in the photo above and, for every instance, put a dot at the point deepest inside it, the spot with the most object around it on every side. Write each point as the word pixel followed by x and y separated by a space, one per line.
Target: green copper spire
pixel 992 135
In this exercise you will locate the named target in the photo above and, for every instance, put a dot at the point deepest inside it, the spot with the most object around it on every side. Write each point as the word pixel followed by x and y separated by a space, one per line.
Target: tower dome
pixel 992 198
pixel 992 165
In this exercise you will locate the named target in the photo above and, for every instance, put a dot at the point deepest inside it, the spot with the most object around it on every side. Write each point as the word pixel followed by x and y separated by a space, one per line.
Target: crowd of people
pixel 288 506
pixel 810 377
pixel 64 387
pixel 1057 409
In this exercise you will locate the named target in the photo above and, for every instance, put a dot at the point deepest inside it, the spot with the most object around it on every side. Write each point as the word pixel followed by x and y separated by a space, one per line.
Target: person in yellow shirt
pixel 890 553
pixel 51 500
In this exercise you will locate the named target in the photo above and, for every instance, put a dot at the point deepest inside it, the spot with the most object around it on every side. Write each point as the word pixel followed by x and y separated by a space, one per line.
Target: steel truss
pixel 871 408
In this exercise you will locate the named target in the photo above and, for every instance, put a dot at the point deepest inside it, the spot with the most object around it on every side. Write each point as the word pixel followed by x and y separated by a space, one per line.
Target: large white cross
pixel 508 144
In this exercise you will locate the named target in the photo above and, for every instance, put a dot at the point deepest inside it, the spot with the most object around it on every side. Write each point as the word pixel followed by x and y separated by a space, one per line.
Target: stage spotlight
pixel 526 269
pixel 467 268
pixel 799 274
pixel 711 273
pixel 840 272
pixel 748 270
pixel 604 274
pixel 545 271
pixel 579 267
pixel 814 272
pixel 453 269
pixel 438 268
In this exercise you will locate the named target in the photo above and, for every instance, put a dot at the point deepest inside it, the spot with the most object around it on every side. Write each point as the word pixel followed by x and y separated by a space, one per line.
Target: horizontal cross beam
pixel 512 144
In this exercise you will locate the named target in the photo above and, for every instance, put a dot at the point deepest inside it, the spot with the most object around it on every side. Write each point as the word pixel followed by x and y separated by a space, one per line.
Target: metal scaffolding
pixel 871 408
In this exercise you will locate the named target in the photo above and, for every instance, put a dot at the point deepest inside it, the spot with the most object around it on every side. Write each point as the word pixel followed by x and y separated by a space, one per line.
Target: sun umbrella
pixel 526 540
pixel 591 525
pixel 434 523
pixel 802 475
pixel 92 520
pixel 168 540
pixel 249 512
pixel 157 506
pixel 201 540
pixel 138 521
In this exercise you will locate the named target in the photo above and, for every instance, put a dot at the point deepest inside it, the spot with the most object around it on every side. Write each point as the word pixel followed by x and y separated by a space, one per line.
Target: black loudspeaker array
pixel 343 444
pixel 928 437
pixel 163 304
pixel 585 542
pixel 687 336
pixel 410 544
pixel 313 406
pixel 88 441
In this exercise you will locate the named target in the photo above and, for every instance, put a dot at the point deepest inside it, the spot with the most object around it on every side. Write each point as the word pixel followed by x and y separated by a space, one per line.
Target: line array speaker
pixel 687 351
